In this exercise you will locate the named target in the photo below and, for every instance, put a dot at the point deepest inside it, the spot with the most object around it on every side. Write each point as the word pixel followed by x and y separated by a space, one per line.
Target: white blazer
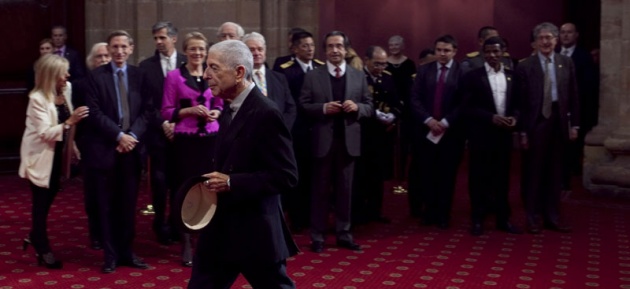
pixel 40 136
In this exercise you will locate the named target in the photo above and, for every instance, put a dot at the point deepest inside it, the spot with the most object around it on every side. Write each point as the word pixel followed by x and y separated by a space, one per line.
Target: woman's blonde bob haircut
pixel 48 69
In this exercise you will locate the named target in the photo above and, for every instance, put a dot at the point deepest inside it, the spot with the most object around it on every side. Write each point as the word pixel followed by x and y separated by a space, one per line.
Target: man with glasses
pixel 377 140
pixel 546 85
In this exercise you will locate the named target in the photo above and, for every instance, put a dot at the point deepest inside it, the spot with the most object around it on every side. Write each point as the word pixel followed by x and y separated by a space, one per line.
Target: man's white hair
pixel 233 53
pixel 239 30
pixel 256 37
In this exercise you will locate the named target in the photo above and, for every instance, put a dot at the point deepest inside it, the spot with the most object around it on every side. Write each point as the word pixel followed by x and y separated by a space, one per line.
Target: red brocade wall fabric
pixel 403 254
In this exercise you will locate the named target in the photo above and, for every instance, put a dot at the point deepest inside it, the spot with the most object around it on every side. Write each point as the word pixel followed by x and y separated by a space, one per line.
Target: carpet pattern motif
pixel 402 254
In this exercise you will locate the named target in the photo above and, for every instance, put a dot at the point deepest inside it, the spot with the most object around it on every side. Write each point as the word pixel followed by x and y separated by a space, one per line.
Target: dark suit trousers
pixel 42 200
pixel 90 199
pixel 542 171
pixel 117 190
pixel 161 181
pixel 432 177
pixel 332 177
pixel 222 274
pixel 489 180
pixel 298 203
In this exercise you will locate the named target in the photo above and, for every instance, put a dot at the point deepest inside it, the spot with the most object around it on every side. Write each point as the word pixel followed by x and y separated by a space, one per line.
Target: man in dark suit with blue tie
pixel 59 35
pixel 116 124
pixel 490 116
pixel 335 98
pixel 271 83
pixel 438 137
pixel 587 80
pixel 254 165
pixel 159 130
pixel 548 119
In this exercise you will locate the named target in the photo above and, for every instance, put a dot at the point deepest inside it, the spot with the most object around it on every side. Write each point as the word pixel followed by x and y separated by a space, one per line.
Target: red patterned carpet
pixel 402 254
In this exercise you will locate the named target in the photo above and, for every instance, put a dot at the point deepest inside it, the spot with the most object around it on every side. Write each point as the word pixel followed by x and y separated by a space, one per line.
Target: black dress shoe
pixel 349 245
pixel 317 246
pixel 187 263
pixel 558 227
pixel 109 267
pixel 443 225
pixel 534 229
pixel 476 229
pixel 382 220
pixel 96 245
pixel 509 228
pixel 135 263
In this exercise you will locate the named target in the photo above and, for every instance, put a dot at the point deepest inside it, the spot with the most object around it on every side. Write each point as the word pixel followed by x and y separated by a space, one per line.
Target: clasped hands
pixel 217 182
pixel 385 117
pixel 436 127
pixel 126 143
pixel 504 121
pixel 335 107
pixel 203 112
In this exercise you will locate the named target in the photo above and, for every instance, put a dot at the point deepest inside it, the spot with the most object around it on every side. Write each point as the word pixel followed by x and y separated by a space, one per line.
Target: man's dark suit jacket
pixel 77 63
pixel 480 108
pixel 154 88
pixel 278 91
pixel 102 126
pixel 248 226
pixel 530 90
pixel 423 94
pixel 587 79
pixel 317 90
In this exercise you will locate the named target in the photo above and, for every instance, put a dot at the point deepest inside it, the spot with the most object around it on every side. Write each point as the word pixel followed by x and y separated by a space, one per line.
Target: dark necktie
pixel 546 105
pixel 337 72
pixel 124 100
pixel 226 118
pixel 439 91
pixel 58 52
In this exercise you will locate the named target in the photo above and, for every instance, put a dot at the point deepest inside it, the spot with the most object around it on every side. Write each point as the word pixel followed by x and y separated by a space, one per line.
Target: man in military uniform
pixel 377 140
pixel 475 59
pixel 298 203
pixel 283 59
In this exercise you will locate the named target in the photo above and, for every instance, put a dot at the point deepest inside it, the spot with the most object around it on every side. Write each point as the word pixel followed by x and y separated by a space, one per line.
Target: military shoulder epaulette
pixel 318 61
pixel 472 54
pixel 387 72
pixel 286 64
pixel 506 54
pixel 413 76
pixel 522 59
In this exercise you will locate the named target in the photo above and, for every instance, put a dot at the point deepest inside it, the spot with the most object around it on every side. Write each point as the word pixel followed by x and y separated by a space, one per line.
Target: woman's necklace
pixel 198 76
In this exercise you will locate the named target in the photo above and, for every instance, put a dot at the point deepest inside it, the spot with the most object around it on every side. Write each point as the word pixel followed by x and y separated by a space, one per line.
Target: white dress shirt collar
pixel 331 68
pixel 303 65
pixel 235 105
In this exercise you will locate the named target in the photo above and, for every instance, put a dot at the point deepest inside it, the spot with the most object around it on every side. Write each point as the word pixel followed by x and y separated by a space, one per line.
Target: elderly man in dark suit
pixel 298 203
pixel 377 140
pixel 491 116
pixel 59 35
pixel 587 79
pixel 159 130
pixel 116 124
pixel 438 143
pixel 547 91
pixel 336 98
pixel 271 83
pixel 254 165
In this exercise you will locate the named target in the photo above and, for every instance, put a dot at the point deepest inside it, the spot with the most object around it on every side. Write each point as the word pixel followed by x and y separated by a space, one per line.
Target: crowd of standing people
pixel 219 111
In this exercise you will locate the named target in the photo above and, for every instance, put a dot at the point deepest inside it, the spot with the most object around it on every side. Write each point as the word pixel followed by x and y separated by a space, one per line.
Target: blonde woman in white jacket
pixel 49 118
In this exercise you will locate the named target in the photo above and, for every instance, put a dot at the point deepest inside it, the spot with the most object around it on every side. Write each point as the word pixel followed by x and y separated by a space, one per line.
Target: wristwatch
pixel 66 126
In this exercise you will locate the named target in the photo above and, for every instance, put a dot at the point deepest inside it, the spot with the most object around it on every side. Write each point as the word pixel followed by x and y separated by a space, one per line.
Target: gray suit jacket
pixel 530 92
pixel 316 91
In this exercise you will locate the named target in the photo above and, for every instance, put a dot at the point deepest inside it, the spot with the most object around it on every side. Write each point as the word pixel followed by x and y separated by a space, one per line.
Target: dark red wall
pixel 420 22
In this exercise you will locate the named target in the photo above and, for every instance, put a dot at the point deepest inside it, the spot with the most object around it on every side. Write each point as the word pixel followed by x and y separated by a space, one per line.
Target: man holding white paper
pixel 438 142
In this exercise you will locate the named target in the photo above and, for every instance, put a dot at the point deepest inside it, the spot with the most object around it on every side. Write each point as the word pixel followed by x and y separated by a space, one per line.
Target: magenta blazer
pixel 182 91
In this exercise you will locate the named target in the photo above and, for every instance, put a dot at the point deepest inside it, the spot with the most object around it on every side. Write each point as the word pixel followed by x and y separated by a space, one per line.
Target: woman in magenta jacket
pixel 189 104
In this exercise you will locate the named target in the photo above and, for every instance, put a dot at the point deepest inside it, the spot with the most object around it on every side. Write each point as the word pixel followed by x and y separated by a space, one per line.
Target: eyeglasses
pixel 380 64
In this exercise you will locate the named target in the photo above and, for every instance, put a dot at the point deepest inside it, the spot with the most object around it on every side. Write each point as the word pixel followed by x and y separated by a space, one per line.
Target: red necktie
pixel 439 90
pixel 337 72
